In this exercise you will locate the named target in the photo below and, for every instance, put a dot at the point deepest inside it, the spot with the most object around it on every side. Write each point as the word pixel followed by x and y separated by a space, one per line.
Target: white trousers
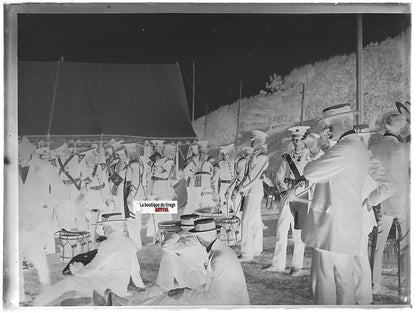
pixel 251 225
pixel 284 221
pixel 194 200
pixel 362 274
pixel 384 226
pixel 332 278
pixel 31 248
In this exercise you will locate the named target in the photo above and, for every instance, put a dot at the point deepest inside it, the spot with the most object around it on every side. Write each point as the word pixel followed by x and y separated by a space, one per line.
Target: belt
pixel 208 173
pixel 226 181
pixel 68 182
pixel 154 178
pixel 99 187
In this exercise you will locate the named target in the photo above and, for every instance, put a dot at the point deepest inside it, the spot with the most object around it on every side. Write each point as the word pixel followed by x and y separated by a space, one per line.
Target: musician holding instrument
pixel 198 173
pixel 293 213
pixel 160 187
pixel 252 188
pixel 226 175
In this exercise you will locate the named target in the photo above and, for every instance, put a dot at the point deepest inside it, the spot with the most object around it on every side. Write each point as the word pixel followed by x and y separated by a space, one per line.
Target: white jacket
pixel 395 157
pixel 113 265
pixel 334 222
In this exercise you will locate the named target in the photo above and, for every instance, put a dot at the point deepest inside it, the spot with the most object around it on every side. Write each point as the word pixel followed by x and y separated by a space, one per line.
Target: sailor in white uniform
pixel 252 189
pixel 226 176
pixel 112 267
pixel 36 177
pixel 293 213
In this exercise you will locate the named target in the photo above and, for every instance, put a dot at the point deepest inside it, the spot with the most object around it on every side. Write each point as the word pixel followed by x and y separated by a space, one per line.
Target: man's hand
pixel 76 267
pixel 80 198
pixel 367 205
pixel 176 293
pixel 290 195
pixel 283 195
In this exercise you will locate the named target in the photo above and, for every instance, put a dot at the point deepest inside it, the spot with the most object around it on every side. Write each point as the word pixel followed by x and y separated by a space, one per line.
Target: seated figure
pixel 112 267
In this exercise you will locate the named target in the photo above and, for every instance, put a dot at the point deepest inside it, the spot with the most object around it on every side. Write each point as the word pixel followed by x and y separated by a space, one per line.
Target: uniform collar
pixel 350 132
pixel 399 139
pixel 209 248
pixel 259 150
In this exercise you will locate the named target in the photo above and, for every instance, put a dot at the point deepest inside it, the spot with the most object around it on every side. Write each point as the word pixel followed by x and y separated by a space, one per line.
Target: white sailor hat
pixel 169 151
pixel 248 150
pixel 258 134
pixel 203 144
pixel 338 110
pixel 157 142
pixel 132 149
pixel 115 145
pixel 226 148
pixel 62 149
pixel 298 131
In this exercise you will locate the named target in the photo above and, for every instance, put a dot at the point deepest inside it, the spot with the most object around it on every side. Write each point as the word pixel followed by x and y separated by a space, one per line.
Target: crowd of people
pixel 334 188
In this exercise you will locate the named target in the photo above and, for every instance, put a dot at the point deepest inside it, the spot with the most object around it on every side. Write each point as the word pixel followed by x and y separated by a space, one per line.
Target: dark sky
pixel 225 47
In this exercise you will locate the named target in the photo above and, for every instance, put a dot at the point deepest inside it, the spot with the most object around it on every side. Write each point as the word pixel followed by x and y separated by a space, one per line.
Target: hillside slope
pixel 386 79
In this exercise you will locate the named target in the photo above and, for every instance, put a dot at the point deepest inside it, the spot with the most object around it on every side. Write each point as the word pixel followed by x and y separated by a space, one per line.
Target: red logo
pixel 162 210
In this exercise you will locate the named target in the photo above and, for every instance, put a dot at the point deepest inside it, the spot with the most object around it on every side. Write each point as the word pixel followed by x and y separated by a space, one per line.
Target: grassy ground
pixel 264 288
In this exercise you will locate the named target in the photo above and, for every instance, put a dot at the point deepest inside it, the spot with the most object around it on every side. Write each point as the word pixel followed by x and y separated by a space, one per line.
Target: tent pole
pixel 359 64
pixel 238 116
pixel 193 91
pixel 53 99
pixel 177 159
pixel 302 104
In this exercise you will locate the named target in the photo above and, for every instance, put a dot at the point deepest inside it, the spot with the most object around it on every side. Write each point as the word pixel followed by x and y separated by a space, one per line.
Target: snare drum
pixel 168 227
pixel 229 232
pixel 212 212
pixel 72 243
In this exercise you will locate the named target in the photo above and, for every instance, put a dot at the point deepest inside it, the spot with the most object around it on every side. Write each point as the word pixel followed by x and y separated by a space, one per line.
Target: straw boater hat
pixel 206 229
pixel 404 108
pixel 111 218
pixel 338 110
pixel 395 121
pixel 187 221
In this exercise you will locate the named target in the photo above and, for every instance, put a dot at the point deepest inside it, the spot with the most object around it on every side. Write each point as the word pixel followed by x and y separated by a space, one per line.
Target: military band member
pixel 36 207
pixel 134 191
pixel 145 158
pixel 71 192
pixel 198 172
pixel 252 188
pixel 160 187
pixel 333 226
pixel 226 175
pixel 240 170
pixel 293 213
